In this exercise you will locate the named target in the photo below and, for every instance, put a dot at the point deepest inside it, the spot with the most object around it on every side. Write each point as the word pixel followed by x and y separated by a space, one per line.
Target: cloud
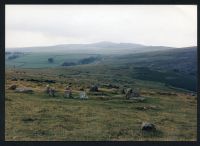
pixel 39 25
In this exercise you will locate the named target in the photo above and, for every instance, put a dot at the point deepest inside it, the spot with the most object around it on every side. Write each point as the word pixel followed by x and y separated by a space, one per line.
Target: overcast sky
pixel 45 25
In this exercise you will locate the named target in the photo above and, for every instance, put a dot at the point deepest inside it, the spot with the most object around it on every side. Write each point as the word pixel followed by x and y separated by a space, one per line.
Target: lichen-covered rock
pixel 131 94
pixel 83 95
pixel 146 126
pixel 94 88
pixel 52 92
pixel 68 94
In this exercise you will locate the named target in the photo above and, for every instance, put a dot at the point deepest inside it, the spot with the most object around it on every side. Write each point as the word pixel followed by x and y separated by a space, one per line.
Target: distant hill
pixel 177 60
pixel 177 67
pixel 173 67
pixel 93 48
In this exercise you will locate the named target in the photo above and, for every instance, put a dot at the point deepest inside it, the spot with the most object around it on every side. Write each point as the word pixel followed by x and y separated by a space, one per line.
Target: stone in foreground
pixel 148 126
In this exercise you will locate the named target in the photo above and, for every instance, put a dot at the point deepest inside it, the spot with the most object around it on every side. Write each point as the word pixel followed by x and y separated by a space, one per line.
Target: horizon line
pixel 99 42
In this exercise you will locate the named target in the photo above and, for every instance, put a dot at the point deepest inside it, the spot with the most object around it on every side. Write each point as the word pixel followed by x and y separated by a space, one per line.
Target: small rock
pixel 28 119
pixel 94 88
pixel 151 107
pixel 83 95
pixel 12 87
pixel 68 94
pixel 131 94
pixel 14 79
pixel 52 92
pixel 141 108
pixel 148 126
pixel 24 90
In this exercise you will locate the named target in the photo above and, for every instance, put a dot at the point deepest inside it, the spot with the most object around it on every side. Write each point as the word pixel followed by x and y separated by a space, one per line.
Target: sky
pixel 46 25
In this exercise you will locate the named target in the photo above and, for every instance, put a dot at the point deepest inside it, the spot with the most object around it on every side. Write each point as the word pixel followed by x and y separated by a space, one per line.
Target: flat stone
pixel 24 90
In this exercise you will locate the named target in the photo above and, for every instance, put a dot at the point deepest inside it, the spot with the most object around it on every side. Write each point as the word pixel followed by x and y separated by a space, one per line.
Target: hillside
pixel 38 116
pixel 93 48
pixel 179 60
pixel 175 67
pixel 166 80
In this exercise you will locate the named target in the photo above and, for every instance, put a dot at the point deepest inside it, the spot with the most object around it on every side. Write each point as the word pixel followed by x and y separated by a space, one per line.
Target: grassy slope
pixel 68 119
pixel 40 60
pixel 39 117
pixel 155 66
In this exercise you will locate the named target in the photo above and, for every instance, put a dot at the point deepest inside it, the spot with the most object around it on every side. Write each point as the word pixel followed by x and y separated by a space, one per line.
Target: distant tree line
pixel 88 60
pixel 14 56
pixel 68 64
pixel 50 60
pixel 82 61
pixel 7 53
